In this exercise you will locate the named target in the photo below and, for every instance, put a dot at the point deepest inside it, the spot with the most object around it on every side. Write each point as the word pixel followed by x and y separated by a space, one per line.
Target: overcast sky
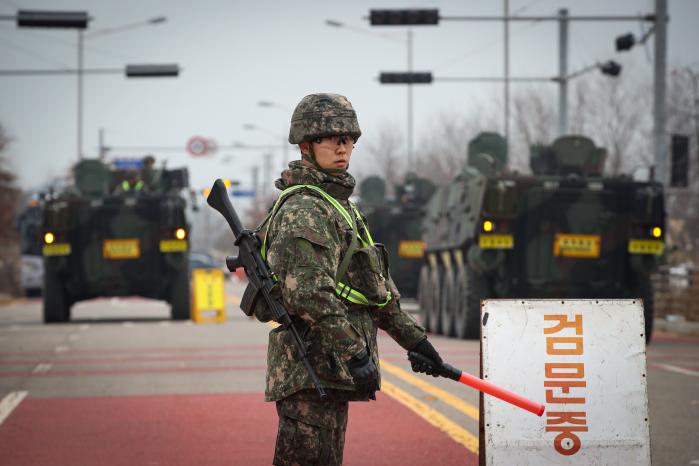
pixel 236 53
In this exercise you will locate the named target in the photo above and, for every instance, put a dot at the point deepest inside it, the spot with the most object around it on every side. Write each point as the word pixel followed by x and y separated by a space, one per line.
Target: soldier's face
pixel 333 152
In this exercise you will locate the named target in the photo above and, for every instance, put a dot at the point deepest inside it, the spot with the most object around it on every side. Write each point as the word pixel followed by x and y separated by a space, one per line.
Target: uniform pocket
pixel 368 271
pixel 298 442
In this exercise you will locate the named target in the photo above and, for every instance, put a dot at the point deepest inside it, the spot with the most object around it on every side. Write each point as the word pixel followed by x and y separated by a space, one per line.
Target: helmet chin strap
pixel 311 158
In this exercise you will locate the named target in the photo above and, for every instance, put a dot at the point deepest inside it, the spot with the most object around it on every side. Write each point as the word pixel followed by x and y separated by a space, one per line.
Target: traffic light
pixel 418 17
pixel 680 161
pixel 405 78
pixel 625 42
pixel 52 19
pixel 152 71
pixel 610 68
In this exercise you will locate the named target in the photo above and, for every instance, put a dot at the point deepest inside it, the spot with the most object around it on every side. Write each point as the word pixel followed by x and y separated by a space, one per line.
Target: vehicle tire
pixel 55 300
pixel 435 318
pixel 424 296
pixel 180 299
pixel 471 288
pixel 446 304
pixel 644 290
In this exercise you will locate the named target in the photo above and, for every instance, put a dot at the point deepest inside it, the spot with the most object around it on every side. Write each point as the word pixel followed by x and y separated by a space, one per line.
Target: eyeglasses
pixel 336 141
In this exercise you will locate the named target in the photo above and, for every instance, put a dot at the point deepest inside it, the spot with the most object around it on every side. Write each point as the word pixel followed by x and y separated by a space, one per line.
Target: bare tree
pixel 387 148
pixel 682 204
pixel 442 149
pixel 9 241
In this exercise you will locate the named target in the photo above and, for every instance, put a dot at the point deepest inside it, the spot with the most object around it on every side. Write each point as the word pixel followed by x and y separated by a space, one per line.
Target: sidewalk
pixel 680 327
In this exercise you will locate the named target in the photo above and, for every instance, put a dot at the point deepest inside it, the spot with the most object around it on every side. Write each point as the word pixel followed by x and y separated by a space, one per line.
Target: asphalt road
pixel 121 384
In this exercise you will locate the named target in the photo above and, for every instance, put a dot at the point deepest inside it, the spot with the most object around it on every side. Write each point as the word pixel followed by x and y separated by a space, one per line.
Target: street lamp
pixel 138 71
pixel 409 56
pixel 270 104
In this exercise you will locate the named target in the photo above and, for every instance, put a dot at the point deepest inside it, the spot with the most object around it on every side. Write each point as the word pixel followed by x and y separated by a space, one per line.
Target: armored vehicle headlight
pixel 180 233
pixel 657 232
pixel 49 238
pixel 488 225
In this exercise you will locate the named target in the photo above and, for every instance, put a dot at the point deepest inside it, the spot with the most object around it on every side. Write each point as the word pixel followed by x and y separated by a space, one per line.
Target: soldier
pixel 149 174
pixel 335 283
pixel 132 183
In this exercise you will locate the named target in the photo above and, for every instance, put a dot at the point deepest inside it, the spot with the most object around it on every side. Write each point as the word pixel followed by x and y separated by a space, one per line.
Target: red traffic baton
pixel 479 384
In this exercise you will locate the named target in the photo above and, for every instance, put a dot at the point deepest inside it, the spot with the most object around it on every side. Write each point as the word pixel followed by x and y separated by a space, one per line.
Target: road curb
pixel 682 327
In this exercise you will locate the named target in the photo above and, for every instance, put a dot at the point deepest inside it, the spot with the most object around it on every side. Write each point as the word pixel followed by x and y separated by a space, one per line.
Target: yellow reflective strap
pixel 356 297
pixel 277 204
pixel 366 229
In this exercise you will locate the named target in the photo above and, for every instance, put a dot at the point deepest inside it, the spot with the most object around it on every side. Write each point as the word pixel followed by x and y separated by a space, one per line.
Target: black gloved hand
pixel 424 348
pixel 364 373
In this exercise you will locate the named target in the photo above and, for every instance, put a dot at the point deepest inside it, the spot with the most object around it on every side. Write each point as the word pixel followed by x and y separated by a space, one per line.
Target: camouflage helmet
pixel 322 115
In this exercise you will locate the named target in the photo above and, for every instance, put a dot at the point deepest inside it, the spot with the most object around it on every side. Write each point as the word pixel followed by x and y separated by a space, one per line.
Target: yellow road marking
pixel 434 417
pixel 443 395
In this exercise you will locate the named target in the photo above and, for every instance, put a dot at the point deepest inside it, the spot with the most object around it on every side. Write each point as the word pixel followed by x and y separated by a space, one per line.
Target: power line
pixel 12 45
pixel 483 47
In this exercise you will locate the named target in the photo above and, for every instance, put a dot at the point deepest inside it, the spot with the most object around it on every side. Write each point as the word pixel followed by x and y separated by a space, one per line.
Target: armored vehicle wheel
pixel 644 289
pixel 180 296
pixel 56 304
pixel 424 296
pixel 435 285
pixel 446 303
pixel 471 288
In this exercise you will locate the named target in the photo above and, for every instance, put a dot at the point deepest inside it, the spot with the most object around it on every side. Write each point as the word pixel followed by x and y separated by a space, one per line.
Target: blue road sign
pixel 243 193
pixel 127 164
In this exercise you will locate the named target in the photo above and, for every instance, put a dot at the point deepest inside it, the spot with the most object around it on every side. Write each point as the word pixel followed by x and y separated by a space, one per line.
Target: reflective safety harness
pixel 126 186
pixel 341 289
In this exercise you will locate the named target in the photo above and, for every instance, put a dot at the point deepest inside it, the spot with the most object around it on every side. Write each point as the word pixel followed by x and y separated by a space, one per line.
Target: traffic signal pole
pixel 425 17
pixel 660 141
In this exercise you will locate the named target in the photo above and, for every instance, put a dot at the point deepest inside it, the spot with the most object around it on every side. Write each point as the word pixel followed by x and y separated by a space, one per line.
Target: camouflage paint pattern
pixel 566 197
pixel 307 240
pixel 321 115
pixel 310 432
pixel 398 222
pixel 92 211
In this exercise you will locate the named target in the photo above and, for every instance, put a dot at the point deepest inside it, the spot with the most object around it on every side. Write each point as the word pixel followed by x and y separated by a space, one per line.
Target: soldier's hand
pixel 424 348
pixel 364 373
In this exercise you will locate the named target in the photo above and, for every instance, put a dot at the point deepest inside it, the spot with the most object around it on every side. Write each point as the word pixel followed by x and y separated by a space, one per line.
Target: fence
pixel 677 292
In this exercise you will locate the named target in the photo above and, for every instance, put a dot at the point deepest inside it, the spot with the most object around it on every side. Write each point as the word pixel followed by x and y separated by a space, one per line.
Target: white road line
pixel 61 349
pixel 42 368
pixel 679 370
pixel 127 324
pixel 73 337
pixel 84 327
pixel 164 323
pixel 9 403
pixel 694 462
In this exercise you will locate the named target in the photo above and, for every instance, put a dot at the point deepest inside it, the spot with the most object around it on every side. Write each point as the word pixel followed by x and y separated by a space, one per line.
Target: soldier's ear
pixel 305 148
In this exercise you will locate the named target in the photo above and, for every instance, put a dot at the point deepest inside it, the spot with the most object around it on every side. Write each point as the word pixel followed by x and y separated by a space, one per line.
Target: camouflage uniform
pixel 307 239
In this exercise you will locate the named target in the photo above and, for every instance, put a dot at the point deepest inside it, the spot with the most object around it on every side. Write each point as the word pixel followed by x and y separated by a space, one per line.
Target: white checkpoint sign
pixel 586 361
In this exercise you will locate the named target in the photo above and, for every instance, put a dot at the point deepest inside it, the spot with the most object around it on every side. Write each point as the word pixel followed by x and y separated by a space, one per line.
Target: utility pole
pixel 267 174
pixel 256 180
pixel 102 148
pixel 562 71
pixel 660 141
pixel 506 97
pixel 410 99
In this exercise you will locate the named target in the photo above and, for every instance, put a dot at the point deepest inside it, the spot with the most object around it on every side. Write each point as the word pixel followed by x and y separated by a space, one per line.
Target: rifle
pixel 259 275
pixel 484 386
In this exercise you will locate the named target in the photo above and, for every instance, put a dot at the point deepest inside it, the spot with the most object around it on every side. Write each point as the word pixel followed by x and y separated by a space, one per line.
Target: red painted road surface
pixel 211 429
